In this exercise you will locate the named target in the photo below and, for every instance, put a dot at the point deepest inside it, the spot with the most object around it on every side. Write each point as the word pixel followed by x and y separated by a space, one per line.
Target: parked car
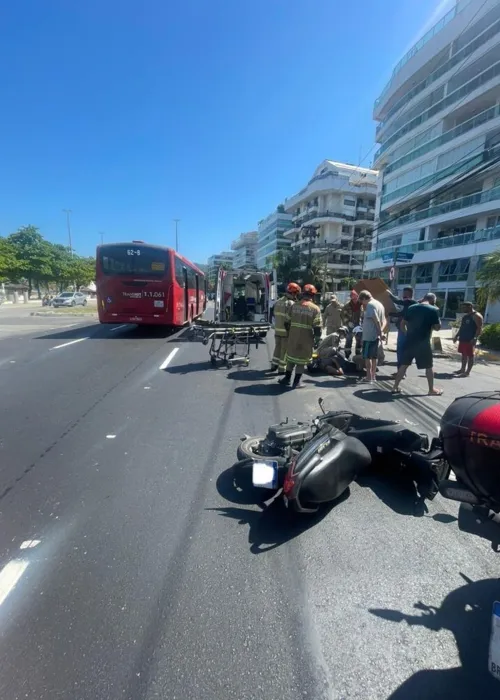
pixel 70 299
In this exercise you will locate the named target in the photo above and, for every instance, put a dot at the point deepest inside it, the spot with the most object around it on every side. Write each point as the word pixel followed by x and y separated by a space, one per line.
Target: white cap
pixel 358 329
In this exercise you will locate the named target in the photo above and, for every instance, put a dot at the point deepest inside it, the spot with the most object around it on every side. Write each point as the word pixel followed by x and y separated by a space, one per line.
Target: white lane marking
pixel 71 342
pixel 169 357
pixel 111 437
pixel 10 575
pixel 124 325
pixel 29 544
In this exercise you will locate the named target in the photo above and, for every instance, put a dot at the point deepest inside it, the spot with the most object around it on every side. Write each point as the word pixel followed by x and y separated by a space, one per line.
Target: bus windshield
pixel 133 259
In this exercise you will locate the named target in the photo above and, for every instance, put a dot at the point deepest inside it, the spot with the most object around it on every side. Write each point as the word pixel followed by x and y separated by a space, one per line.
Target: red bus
pixel 147 285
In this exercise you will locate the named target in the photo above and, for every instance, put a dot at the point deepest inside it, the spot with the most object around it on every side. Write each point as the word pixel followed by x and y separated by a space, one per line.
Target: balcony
pixel 457 95
pixel 461 239
pixel 480 119
pixel 469 200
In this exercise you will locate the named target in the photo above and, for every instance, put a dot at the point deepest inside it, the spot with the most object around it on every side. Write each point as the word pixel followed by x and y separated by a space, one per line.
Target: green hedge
pixel 490 337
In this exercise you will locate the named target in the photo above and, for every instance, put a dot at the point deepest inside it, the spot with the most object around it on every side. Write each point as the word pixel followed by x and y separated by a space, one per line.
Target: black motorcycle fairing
pixel 388 438
pixel 330 473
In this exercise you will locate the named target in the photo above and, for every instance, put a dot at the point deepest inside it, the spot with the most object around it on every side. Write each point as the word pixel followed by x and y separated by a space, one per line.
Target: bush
pixel 490 337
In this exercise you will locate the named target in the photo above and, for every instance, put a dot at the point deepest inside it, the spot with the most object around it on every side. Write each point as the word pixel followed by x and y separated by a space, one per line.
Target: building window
pixel 454 270
pixel 404 275
pixel 492 221
pixel 346 229
pixel 424 274
pixel 350 202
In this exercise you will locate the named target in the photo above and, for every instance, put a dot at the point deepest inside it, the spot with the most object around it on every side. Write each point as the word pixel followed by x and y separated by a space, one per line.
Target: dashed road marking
pixel 169 357
pixel 124 325
pixel 71 342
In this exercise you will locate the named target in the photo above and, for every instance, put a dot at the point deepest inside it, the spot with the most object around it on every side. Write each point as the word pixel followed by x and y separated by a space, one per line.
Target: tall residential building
pixel 439 157
pixel 215 262
pixel 245 250
pixel 272 238
pixel 333 217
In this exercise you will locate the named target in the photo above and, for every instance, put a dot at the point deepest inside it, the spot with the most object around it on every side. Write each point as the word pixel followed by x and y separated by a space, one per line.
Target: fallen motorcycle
pixel 315 462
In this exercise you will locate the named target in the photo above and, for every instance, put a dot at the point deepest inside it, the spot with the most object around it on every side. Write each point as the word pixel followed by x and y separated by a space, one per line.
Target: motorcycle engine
pixel 289 435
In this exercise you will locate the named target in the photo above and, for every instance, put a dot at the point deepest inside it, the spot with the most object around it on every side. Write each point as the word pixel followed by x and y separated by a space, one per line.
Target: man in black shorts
pixel 421 319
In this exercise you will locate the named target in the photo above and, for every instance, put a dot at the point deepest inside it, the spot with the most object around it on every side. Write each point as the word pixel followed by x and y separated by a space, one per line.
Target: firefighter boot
pixel 286 380
pixel 297 383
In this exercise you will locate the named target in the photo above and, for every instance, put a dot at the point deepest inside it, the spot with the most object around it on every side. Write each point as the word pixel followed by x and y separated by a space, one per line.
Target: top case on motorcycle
pixel 289 434
pixel 470 431
pixel 335 464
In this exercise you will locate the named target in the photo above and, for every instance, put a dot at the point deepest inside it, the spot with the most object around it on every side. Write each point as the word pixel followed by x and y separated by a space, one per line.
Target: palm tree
pixel 489 277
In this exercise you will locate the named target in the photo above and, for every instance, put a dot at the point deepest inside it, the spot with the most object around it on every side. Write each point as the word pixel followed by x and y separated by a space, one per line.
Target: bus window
pixel 133 259
pixel 179 272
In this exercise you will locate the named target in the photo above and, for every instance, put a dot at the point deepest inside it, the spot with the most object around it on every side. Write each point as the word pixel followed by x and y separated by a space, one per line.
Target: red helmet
pixel 310 289
pixel 293 288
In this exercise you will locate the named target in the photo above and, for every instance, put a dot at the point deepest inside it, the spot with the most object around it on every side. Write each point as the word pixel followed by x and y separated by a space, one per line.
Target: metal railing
pixel 448 136
pixel 468 200
pixel 460 239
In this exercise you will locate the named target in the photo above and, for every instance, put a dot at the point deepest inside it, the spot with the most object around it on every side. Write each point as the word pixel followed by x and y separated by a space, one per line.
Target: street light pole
pixel 68 223
pixel 176 222
pixel 102 237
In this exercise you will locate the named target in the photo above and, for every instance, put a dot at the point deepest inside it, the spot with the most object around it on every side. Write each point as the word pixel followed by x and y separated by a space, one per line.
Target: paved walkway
pixel 449 348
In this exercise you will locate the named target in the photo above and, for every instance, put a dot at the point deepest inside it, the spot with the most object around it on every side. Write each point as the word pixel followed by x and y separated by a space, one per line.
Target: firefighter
pixel 305 328
pixel 281 311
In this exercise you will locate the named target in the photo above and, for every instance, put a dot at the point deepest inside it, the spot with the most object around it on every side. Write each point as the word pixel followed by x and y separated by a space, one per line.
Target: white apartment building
pixel 272 237
pixel 215 262
pixel 333 216
pixel 438 210
pixel 245 250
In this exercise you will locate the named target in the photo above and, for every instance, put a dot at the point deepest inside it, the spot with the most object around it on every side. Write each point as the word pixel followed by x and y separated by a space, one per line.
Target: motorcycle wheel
pixel 249 449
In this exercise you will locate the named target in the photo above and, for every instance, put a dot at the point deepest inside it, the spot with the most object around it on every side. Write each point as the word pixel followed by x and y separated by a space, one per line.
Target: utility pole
pixel 68 223
pixel 101 234
pixel 311 233
pixel 176 222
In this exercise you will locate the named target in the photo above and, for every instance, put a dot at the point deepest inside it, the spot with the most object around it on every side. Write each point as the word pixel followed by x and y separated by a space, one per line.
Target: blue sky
pixel 132 113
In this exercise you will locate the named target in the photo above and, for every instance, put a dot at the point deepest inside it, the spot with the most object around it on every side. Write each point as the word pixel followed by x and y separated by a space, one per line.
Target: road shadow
pixel 271 389
pixel 376 395
pixel 204 366
pixel 441 375
pixel 272 525
pixel 252 375
pixel 467 613
pixel 478 521
pixel 396 490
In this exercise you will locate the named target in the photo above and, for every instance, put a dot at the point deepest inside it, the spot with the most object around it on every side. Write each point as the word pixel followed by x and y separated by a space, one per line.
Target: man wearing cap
pixel 281 314
pixel 351 316
pixel 305 328
pixel 468 333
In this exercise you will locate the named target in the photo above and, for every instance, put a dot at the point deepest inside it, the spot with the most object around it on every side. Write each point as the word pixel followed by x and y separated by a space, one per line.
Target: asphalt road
pixel 131 568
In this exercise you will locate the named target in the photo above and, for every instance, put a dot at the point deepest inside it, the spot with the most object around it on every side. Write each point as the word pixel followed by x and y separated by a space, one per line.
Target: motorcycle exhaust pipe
pixel 454 492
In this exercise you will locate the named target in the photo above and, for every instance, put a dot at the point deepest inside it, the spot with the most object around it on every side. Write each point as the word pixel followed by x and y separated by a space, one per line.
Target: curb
pixel 68 314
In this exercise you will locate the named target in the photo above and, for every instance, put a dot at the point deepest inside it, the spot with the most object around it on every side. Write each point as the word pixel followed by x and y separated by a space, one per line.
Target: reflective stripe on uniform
pixel 297 360
pixel 294 324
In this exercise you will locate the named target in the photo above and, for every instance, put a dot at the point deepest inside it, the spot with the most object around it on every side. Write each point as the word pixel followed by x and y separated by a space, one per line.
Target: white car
pixel 70 299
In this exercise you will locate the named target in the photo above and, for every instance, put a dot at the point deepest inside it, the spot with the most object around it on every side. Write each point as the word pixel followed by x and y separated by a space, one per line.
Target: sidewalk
pixel 448 347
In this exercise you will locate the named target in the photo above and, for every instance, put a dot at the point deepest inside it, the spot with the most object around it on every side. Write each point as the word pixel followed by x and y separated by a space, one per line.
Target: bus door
pixel 218 312
pixel 197 294
pixel 186 293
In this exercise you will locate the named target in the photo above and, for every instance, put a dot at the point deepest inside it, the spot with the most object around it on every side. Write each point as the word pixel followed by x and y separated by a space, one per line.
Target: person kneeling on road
pixel 332 359
pixel 305 328
pixel 282 310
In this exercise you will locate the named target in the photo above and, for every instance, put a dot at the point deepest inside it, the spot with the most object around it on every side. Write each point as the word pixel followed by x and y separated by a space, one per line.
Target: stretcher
pixel 229 343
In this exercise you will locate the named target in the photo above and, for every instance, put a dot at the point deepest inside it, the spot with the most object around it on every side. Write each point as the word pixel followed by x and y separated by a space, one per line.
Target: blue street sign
pixel 387 258
pixel 404 257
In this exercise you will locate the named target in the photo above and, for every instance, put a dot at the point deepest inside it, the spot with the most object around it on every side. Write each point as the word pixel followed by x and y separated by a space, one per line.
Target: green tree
pixel 348 283
pixel 9 264
pixel 82 271
pixel 32 253
pixel 288 264
pixel 489 278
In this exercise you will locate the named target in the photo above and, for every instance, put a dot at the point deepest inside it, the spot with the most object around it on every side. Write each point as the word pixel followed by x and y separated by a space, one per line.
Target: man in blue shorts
pixel 373 326
pixel 421 319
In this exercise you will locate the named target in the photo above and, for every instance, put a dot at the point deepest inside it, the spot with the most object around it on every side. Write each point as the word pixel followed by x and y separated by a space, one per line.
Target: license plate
pixel 265 474
pixel 494 655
